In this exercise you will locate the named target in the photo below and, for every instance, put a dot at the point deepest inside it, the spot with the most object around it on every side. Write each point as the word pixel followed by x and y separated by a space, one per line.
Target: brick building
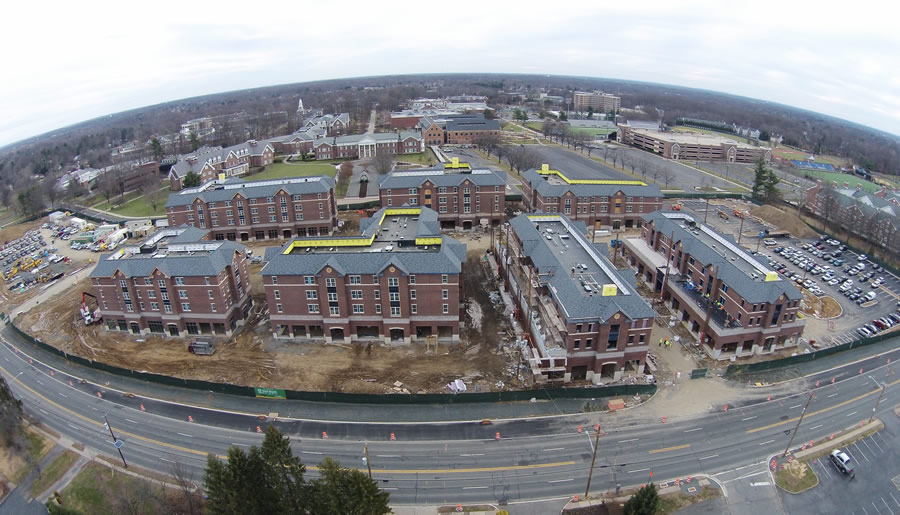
pixel 732 303
pixel 399 281
pixel 598 101
pixel 458 129
pixel 176 283
pixel 595 201
pixel 691 146
pixel 136 173
pixel 300 142
pixel 584 317
pixel 357 146
pixel 233 209
pixel 233 161
pixel 332 124
pixel 461 196
pixel 874 217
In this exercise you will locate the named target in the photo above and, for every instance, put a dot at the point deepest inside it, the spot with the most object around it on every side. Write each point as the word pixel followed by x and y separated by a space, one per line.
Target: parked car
pixel 862 257
pixel 862 331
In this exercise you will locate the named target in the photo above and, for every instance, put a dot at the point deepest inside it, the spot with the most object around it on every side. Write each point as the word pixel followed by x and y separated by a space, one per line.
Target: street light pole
pixel 593 460
pixel 798 425
pixel 368 464
pixel 880 395
pixel 115 440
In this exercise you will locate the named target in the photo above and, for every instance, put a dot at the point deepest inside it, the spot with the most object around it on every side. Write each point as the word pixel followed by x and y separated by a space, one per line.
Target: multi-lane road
pixel 463 461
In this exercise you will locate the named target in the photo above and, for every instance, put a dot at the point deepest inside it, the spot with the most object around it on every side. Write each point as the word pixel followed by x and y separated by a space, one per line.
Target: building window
pixel 185 306
pixel 413 309
pixel 395 311
pixel 278 308
pixel 332 297
pixel 313 308
pixel 358 309
pixel 356 294
pixel 274 279
pixel 330 282
pixel 412 279
pixel 212 307
pixel 355 279
pixel 277 294
pixel 445 294
pixel 577 345
pixel 589 343
pixel 612 341
pixel 377 309
pixel 182 294
pixel 445 308
pixel 377 294
pixel 312 295
pixel 334 311
pixel 444 279
pixel 412 294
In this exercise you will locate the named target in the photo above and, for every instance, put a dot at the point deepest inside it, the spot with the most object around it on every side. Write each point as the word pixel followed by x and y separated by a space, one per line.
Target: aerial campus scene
pixel 618 260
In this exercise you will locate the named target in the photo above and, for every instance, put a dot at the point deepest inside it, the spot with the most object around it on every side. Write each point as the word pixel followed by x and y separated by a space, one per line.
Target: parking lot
pixel 874 487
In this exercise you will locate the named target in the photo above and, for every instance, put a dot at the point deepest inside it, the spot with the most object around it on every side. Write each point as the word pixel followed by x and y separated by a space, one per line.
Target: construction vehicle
pixel 723 215
pixel 12 273
pixel 740 214
pixel 202 348
pixel 30 263
pixel 676 207
pixel 89 316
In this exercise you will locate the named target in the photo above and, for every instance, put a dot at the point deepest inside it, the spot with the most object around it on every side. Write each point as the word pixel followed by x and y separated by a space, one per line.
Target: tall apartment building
pixel 175 283
pixel 599 101
pixel 692 146
pixel 233 161
pixel 233 209
pixel 729 300
pixel 399 281
pixel 461 196
pixel 584 317
pixel 595 201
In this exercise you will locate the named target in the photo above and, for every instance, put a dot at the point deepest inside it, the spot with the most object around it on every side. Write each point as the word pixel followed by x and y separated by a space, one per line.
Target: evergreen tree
pixel 760 176
pixel 191 180
pixel 195 142
pixel 156 148
pixel 771 185
pixel 644 502
pixel 347 491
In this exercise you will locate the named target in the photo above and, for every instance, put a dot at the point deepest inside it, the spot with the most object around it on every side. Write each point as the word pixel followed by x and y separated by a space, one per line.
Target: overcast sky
pixel 78 60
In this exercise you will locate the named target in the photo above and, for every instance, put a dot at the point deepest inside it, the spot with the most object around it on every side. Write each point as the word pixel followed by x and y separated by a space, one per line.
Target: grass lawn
pixel 671 503
pixel 282 170
pixel 789 153
pixel 93 490
pixel 536 126
pixel 53 472
pixel 841 178
pixel 141 207
pixel 796 477
pixel 117 200
pixel 14 466
pixel 594 132
pixel 422 158
pixel 510 127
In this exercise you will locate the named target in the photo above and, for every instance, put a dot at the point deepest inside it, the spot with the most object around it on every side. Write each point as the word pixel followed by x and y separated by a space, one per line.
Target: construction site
pixel 485 359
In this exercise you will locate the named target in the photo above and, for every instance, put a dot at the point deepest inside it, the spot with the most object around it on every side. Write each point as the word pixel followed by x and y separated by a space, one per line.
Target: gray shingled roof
pixel 438 177
pixel 201 264
pixel 355 139
pixel 183 165
pixel 252 189
pixel 751 290
pixel 540 184
pixel 447 260
pixel 473 124
pixel 567 292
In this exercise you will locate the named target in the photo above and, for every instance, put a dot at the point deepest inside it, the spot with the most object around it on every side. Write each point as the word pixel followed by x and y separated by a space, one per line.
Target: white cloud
pixel 90 60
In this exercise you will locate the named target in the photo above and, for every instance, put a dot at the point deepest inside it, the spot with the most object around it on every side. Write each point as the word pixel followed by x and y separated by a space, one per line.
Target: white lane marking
pixel 851 413
pixel 895 500
pixel 867 445
pixel 748 418
pixel 182 434
pixel 39 382
pixel 763 483
pixel 879 447
pixel 7 359
pixel 859 451
pixel 745 476
pixel 388 488
pixel 553 449
pixel 129 420
pixel 692 430
pixel 73 427
pixel 42 411
pixel 832 395
pixel 388 456
pixel 815 427
pixel 767 441
pixel 626 441
pixel 470 455
pixel 240 444
pixel 797 406
pixel 886 505
pixel 590 442
pixel 95 409
pixel 638 470
pixel 63 395
pixel 170 461
pixel 561 480
pixel 310 452
pixel 473 487
pixel 708 457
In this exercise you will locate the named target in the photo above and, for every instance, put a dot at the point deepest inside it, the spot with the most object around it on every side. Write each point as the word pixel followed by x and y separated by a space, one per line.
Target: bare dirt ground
pixel 484 359
pixel 787 221
pixel 820 307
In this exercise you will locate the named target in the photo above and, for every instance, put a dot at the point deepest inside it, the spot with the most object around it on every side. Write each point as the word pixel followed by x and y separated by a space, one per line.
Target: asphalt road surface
pixel 460 462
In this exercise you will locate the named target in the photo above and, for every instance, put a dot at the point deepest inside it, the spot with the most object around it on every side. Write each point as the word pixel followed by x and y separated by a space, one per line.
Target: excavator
pixel 89 317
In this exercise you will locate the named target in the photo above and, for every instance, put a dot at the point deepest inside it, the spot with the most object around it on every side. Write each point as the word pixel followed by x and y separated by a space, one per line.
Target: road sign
pixel 119 444
pixel 271 393
pixel 762 234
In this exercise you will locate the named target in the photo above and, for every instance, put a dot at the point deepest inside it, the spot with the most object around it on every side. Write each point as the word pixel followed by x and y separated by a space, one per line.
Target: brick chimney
pixel 882 192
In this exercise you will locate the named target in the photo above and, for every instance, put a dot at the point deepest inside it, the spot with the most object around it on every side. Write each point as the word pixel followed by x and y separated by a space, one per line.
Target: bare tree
pixel 188 498
pixel 49 191
pixel 666 174
pixel 108 186
pixel 487 141
pixel 384 162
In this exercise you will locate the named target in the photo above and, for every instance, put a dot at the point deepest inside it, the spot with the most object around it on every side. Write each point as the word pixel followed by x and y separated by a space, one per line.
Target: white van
pixel 870 296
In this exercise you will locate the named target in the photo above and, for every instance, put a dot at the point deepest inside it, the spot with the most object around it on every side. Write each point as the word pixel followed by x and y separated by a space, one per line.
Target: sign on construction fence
pixel 697 373
pixel 270 393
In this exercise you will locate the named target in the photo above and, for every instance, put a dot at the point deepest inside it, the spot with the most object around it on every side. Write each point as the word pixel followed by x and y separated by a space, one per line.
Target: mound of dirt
pixel 787 221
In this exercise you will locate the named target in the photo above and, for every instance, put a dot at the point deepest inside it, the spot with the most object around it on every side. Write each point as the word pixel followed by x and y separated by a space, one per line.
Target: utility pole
pixel 668 264
pixel 786 449
pixel 880 395
pixel 593 460
pixel 115 440
pixel 706 212
pixel 368 464
pixel 741 230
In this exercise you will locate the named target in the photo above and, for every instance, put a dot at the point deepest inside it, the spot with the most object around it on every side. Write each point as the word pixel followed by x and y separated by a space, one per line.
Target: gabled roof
pixel 215 191
pixel 576 303
pixel 750 289
pixel 360 139
pixel 215 155
pixel 174 264
pixel 440 178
